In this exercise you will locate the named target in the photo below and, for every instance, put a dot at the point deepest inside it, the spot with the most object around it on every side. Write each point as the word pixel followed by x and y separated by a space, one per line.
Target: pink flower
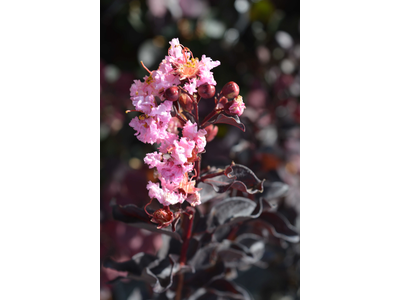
pixel 175 155
pixel 205 76
pixel 153 159
pixel 194 199
pixel 146 129
pixel 237 107
pixel 167 143
pixel 144 103
pixel 191 86
pixel 137 88
pixel 175 50
pixel 182 150
pixel 150 129
pixel 190 131
pixel 164 196
pixel 172 172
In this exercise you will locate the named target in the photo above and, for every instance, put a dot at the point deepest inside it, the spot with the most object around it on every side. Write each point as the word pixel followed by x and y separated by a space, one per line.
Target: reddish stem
pixel 182 259
pixel 196 111
pixel 209 116
pixel 188 233
pixel 211 175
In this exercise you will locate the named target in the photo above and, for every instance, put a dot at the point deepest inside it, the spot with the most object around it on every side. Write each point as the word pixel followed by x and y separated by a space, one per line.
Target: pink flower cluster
pixel 176 154
pixel 173 160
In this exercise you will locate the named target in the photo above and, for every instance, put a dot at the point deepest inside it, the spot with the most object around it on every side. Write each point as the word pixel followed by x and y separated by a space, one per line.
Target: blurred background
pixel 257 43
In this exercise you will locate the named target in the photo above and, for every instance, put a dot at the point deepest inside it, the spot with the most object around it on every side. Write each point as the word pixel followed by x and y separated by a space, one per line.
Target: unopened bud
pixel 186 101
pixel 206 91
pixel 230 90
pixel 172 93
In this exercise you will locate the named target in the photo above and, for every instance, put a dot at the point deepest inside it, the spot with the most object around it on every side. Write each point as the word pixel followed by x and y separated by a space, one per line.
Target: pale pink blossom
pixel 182 150
pixel 190 86
pixel 150 129
pixel 194 199
pixel 175 50
pixel 164 196
pixel 153 159
pixel 172 172
pixel 190 131
pixel 144 104
pixel 167 143
pixel 204 74
pixel 237 107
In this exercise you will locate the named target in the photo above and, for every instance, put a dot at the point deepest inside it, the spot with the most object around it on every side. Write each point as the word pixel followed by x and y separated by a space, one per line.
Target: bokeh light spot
pixel 135 163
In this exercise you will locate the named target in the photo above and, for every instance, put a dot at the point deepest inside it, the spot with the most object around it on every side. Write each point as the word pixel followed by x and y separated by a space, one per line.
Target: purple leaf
pixel 230 120
pixel 273 190
pixel 137 217
pixel 227 289
pixel 233 210
pixel 279 226
pixel 237 177
pixel 148 268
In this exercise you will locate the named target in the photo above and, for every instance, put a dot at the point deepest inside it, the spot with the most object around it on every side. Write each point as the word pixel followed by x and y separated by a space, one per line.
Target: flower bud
pixel 186 101
pixel 172 93
pixel 206 91
pixel 230 90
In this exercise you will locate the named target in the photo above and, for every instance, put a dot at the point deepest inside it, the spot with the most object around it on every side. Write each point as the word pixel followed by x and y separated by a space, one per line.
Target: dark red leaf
pixel 238 177
pixel 279 226
pixel 230 120
pixel 227 289
pixel 148 268
pixel 233 210
pixel 137 217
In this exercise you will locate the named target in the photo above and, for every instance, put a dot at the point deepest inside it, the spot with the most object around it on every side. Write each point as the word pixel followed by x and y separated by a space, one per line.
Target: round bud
pixel 186 101
pixel 206 91
pixel 230 90
pixel 172 93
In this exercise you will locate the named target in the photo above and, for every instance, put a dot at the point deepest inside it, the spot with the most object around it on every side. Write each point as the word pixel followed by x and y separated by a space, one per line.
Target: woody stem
pixel 182 259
